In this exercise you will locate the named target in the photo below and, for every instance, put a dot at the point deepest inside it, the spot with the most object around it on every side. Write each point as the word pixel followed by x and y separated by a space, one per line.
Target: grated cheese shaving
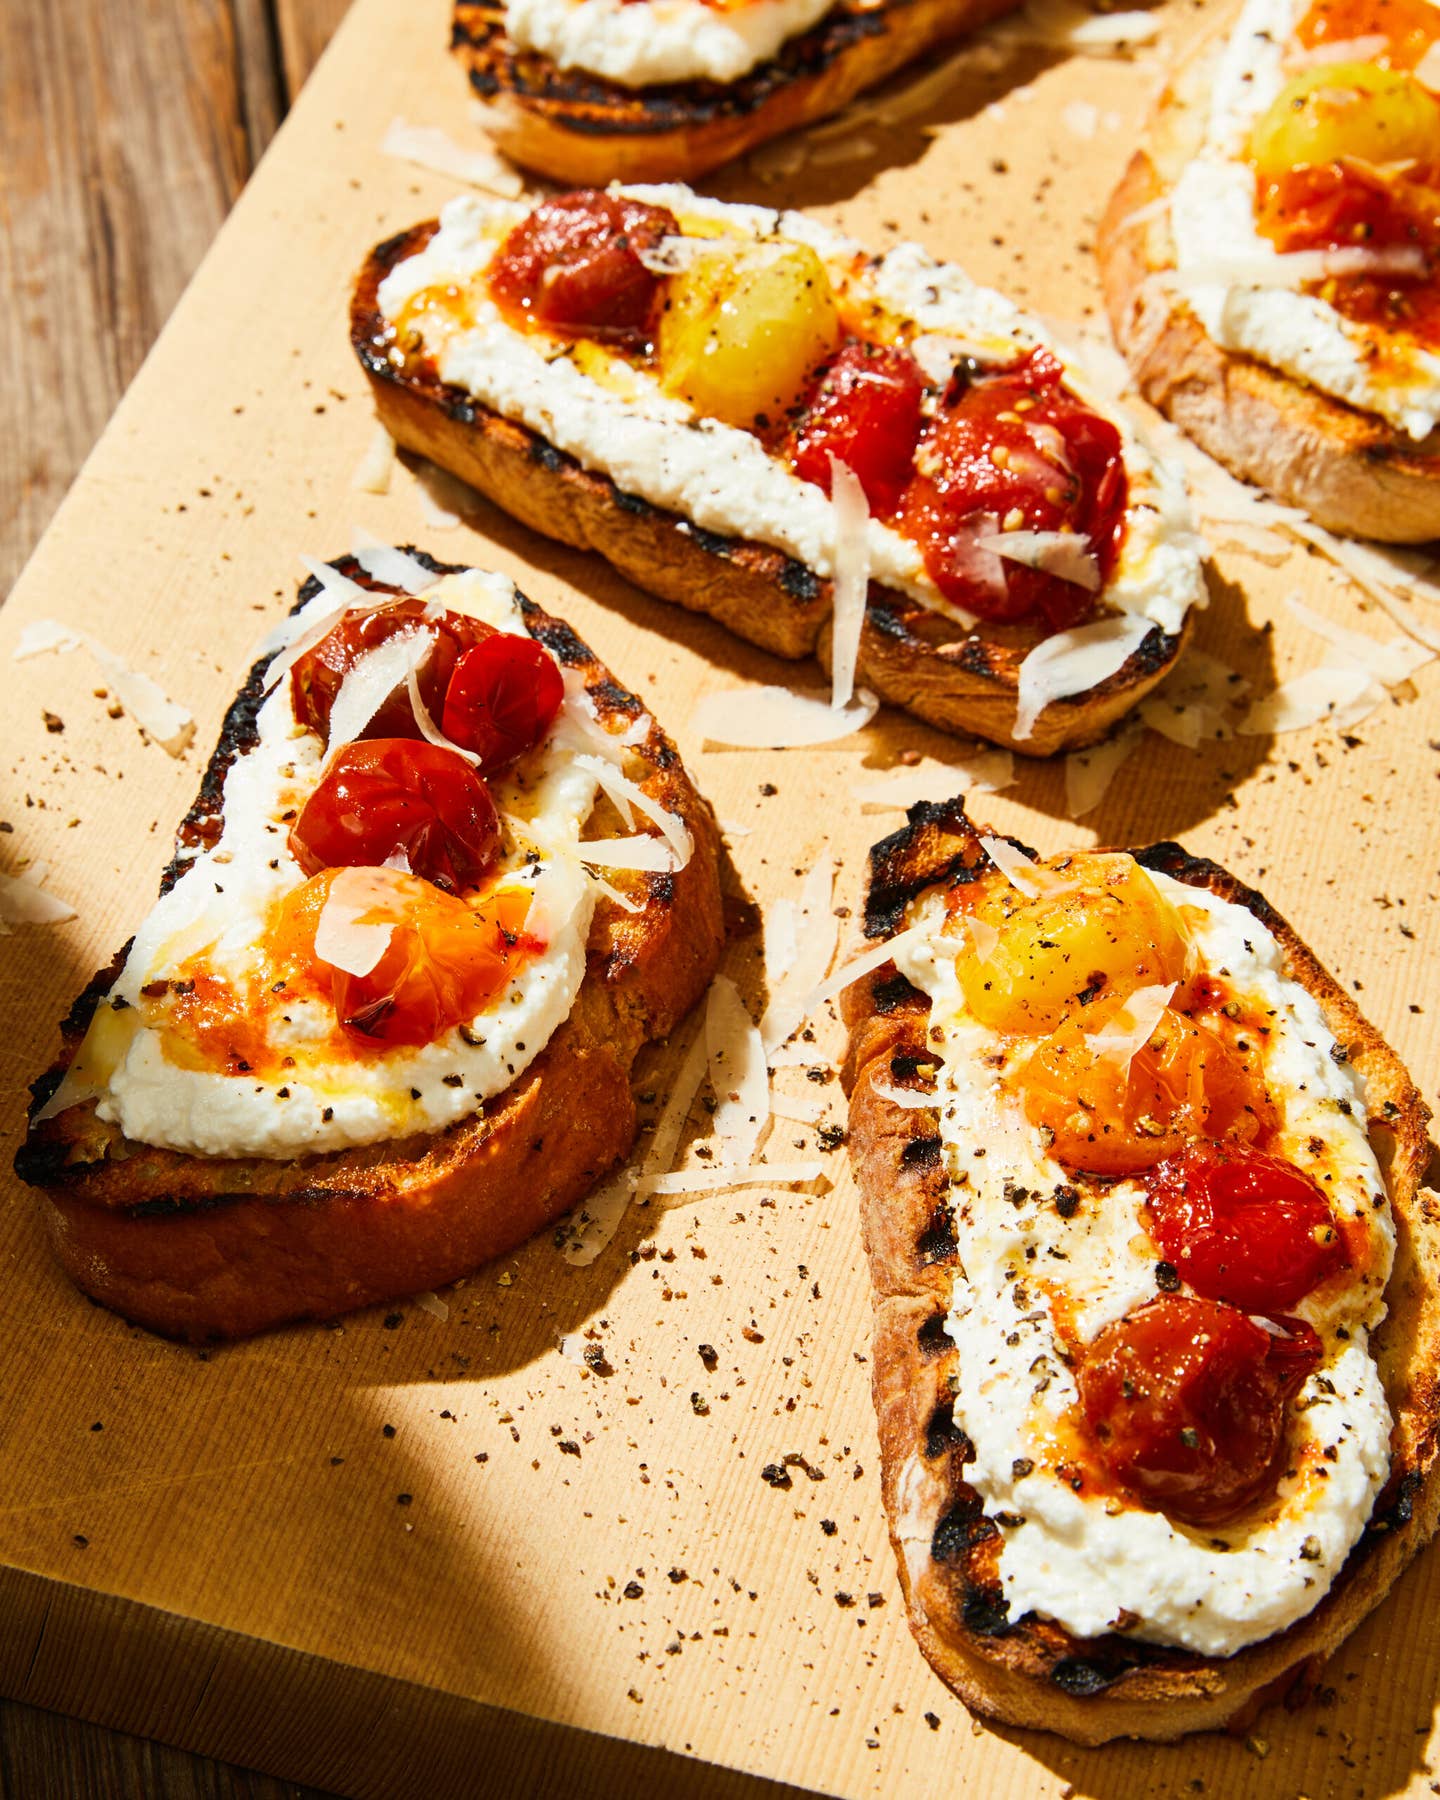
pixel 373 471
pixel 851 584
pixel 987 938
pixel 24 901
pixel 1132 1026
pixel 1021 871
pixel 352 932
pixel 628 795
pixel 42 635
pixel 651 854
pixel 371 680
pixel 738 1074
pixel 1338 697
pixel 873 958
pixel 1072 661
pixel 685 1182
pixel 430 148
pixel 984 772
pixel 395 568
pixel 434 1305
pixel 1088 773
pixel 777 718
pixel 816 929
pixel 1063 554
pixel 429 730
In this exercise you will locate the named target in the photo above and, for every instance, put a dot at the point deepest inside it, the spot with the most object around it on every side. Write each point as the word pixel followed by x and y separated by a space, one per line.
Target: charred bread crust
pixel 1352 471
pixel 1029 1671
pixel 958 680
pixel 205 1248
pixel 580 129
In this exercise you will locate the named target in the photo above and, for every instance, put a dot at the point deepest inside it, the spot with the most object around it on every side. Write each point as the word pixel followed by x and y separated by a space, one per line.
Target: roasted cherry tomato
pixel 573 265
pixel 502 699
pixel 1411 26
pixel 866 414
pixel 1105 1117
pixel 446 963
pixel 1018 448
pixel 1243 1226
pixel 317 675
pixel 446 960
pixel 1186 1401
pixel 384 795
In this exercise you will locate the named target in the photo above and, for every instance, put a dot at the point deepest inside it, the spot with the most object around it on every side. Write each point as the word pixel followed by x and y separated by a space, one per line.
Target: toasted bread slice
pixel 202 1248
pixel 580 129
pixel 959 680
pixel 1352 471
pixel 1031 1671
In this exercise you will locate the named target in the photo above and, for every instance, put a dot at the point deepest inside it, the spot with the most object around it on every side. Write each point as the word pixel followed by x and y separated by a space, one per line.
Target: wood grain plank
pixel 43 1753
pixel 305 28
pixel 125 134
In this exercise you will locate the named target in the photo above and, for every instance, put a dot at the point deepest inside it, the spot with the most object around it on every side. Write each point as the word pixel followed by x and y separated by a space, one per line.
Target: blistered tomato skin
pixel 1186 1402
pixel 1018 448
pixel 383 796
pixel 318 674
pixel 866 414
pixel 446 962
pixel 573 266
pixel 502 699
pixel 1103 1116
pixel 1244 1226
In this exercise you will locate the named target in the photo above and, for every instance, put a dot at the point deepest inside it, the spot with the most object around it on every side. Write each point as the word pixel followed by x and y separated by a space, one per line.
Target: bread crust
pixel 959 680
pixel 585 131
pixel 205 1248
pixel 1032 1672
pixel 1352 471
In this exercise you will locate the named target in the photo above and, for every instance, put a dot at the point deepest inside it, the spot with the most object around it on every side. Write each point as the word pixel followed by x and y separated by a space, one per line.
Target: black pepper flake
pixel 1067 1201
pixel 1167 1277
pixel 700 1406
pixel 829 1527
pixel 844 1600
pixel 328 1114
pixel 80 1541
pixel 1021 1467
pixel 777 1475
pixel 98 1426
pixel 393 1321
pixel 632 1590
pixel 387 1431
pixel 709 1356
pixel 831 1137
pixel 932 1720
pixel 454 1081
pixel 1189 1437
pixel 403 1499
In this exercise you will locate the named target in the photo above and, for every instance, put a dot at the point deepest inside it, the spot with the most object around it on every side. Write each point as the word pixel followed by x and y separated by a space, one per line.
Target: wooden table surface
pixel 126 133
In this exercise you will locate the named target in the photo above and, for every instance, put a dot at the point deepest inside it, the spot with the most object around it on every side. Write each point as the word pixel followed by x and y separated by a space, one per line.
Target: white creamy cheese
pixel 718 476
pixel 1212 213
pixel 639 43
pixel 217 910
pixel 1083 1559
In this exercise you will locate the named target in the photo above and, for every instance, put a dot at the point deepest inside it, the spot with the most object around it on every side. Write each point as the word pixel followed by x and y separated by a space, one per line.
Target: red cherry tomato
pixel 446 962
pixel 573 265
pixel 1186 1401
pixel 502 699
pixel 1020 447
pixel 866 414
pixel 387 794
pixel 317 675
pixel 1244 1226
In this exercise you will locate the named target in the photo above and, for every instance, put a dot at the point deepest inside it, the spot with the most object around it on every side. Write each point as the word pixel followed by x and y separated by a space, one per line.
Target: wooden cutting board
pixel 415 1553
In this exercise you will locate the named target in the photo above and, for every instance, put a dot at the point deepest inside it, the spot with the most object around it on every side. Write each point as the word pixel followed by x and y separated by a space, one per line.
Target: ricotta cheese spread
pixel 1212 214
pixel 1087 1559
pixel 640 43
pixel 717 476
pixel 338 1095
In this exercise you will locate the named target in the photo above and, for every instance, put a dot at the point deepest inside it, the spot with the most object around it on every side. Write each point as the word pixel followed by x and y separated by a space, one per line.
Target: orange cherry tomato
pixel 446 961
pixel 1107 1119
